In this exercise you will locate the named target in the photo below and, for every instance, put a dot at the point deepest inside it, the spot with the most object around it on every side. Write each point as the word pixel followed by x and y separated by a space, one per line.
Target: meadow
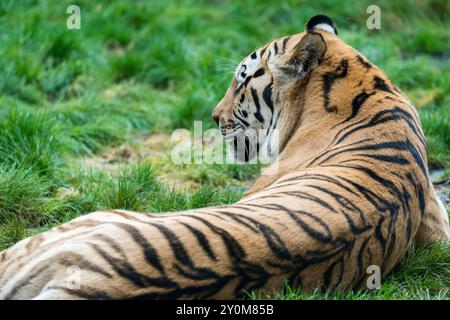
pixel 86 115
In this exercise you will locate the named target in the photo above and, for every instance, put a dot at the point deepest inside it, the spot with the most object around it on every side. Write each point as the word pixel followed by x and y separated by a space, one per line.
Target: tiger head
pixel 272 86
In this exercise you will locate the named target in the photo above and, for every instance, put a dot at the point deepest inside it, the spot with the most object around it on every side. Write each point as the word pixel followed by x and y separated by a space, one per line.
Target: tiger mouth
pixel 243 147
pixel 230 135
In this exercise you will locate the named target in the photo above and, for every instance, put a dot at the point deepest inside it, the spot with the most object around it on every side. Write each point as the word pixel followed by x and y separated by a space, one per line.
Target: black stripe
pixel 380 84
pixel 329 150
pixel 190 291
pixel 357 103
pixel 245 123
pixel 326 237
pixel 406 197
pixel 243 85
pixel 313 176
pixel 258 73
pixel 236 217
pixel 202 240
pixel 273 239
pixel 310 197
pixel 267 96
pixel 328 274
pixel 110 242
pixel 285 41
pixel 396 145
pixel 363 62
pixel 257 114
pixel 263 50
pixel 361 252
pixel 369 195
pixel 197 273
pixel 384 116
pixel 128 272
pixel 78 260
pixel 176 246
pixel 235 250
pixel 151 255
pixel 390 159
pixel 361 255
pixel 379 234
pixel 419 192
pixel 247 80
pixel 372 174
pixel 347 204
pixel 394 171
pixel 328 80
pixel 247 148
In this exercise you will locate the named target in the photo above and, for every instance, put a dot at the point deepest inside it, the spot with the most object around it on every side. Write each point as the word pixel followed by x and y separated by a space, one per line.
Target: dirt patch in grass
pixel 156 149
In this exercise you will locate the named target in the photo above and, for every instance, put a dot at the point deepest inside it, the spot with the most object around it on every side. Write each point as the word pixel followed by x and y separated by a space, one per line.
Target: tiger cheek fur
pixel 350 189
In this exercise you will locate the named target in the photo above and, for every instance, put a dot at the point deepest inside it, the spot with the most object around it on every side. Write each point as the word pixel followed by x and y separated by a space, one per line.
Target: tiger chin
pixel 351 190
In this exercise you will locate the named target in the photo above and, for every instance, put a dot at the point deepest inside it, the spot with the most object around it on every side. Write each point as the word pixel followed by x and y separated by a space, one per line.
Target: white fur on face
pixel 246 68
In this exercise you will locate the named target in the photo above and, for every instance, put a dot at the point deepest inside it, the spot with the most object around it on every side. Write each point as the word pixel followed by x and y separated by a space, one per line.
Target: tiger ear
pixel 306 55
pixel 321 22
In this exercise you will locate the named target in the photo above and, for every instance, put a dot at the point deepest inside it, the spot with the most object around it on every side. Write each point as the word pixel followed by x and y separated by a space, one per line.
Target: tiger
pixel 350 189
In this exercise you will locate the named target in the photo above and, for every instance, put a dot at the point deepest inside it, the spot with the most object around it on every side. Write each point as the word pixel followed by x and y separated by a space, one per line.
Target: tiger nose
pixel 216 118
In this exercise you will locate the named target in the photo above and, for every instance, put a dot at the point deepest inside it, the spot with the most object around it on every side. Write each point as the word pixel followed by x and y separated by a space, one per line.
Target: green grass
pixel 154 66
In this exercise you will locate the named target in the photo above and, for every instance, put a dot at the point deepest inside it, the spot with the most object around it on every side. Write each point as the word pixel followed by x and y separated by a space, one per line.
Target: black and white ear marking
pixel 321 22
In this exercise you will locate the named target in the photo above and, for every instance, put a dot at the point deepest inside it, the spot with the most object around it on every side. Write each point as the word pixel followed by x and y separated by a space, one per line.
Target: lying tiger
pixel 351 190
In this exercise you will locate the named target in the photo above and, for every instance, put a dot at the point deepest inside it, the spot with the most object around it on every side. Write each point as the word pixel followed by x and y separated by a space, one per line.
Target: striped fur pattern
pixel 351 190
